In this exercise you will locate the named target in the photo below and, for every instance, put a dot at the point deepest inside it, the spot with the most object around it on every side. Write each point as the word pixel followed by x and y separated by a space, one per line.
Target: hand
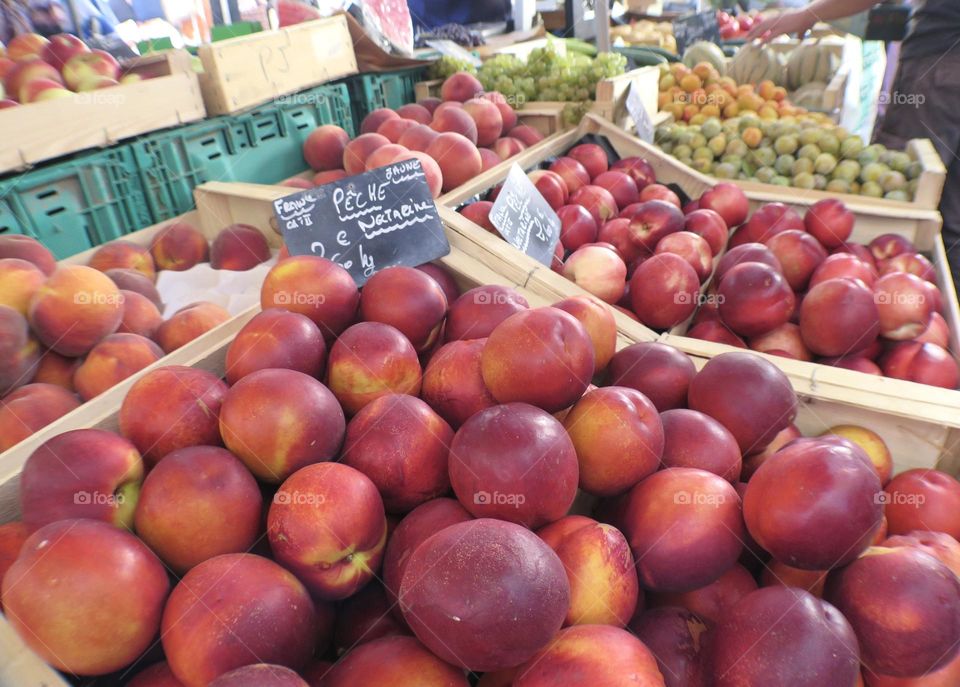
pixel 794 21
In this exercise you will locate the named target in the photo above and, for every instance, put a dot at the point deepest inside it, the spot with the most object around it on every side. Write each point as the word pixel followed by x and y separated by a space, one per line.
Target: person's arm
pixel 801 20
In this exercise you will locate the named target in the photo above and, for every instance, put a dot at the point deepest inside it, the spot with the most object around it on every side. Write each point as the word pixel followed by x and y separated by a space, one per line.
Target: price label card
pixel 524 219
pixel 639 115
pixel 365 223
pixel 451 49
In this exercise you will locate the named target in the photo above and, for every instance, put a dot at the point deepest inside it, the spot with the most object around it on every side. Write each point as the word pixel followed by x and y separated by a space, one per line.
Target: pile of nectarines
pixel 70 332
pixel 455 139
pixel 409 485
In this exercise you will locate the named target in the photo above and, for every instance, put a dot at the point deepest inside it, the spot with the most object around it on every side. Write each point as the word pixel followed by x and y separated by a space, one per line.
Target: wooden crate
pixel 249 70
pixel 169 95
pixel 610 99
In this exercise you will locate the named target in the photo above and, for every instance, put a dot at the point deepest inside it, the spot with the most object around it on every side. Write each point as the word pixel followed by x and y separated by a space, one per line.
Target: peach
pixel 507 114
pixel 639 170
pixel 600 570
pixel 197 503
pixel 85 614
pixel 596 654
pixel 25 46
pixel 236 610
pixel 408 300
pixel 111 361
pixel 448 600
pixel 947 676
pixel 383 156
pixel 327 525
pixel 597 318
pixel 703 505
pixel 276 338
pixel 478 212
pixel 695 440
pixel 431 104
pixel 356 152
pixel 42 90
pixel 238 247
pixel 754 299
pixel 394 662
pixel 487 118
pixel 712 602
pixel 133 280
pixel 620 185
pixel 140 316
pixel 650 221
pixel 916 629
pixel 369 360
pixel 277 421
pixel 771 219
pixel 597 269
pixel 692 248
pixel 321 178
pixel 516 463
pixel 777 573
pixel 904 307
pixel 422 522
pixel 444 278
pixel 888 246
pixel 616 232
pixel 921 499
pixel 815 505
pixel 366 617
pixel 709 225
pixel 664 291
pixel 782 636
pixel 434 176
pixel 675 636
pixel 541 356
pixel 57 370
pixel 871 443
pixel 401 444
pixel 13 534
pixel 784 340
pixel 937 332
pixel 659 372
pixel 844 266
pixel 189 323
pixel 592 157
pixel 525 134
pixel 925 363
pixel 830 222
pixel 21 74
pixel 574 174
pixel 854 362
pixel 717 332
pixel 394 128
pixel 458 158
pixel 507 146
pixel 659 192
pixel 755 420
pixel 29 249
pixel 30 408
pixel 157 675
pixel 178 247
pixel 551 186
pixel 260 675
pixel 911 263
pixel 799 255
pixel 598 201
pixel 375 118
pixel 478 311
pixel 753 460
pixel 941 546
pixel 19 352
pixel 729 201
pixel 746 252
pixel 489 159
pixel 460 87
pixel 124 255
pixel 315 287
pixel 456 120
pixel 618 439
pixel 453 382
pixel 297 182
pixel 76 308
pixel 19 281
pixel 577 226
pixel 188 416
pixel 838 317
pixel 415 112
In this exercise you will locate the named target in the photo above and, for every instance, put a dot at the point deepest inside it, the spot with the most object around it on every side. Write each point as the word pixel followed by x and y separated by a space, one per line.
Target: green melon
pixel 754 63
pixel 809 63
pixel 705 51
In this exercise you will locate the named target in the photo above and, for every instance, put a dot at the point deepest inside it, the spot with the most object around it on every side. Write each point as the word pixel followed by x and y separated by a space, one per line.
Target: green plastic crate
pixel 263 146
pixel 77 203
pixel 385 89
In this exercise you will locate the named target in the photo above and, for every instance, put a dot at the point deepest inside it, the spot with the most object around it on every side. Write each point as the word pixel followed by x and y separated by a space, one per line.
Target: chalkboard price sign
pixel 365 223
pixel 638 113
pixel 524 218
pixel 696 27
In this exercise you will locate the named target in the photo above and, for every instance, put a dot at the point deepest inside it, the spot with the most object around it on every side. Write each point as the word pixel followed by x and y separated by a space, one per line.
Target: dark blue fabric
pixel 429 14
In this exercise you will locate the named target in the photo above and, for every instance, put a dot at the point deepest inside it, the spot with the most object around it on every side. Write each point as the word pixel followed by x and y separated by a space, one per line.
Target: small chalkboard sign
pixel 365 223
pixel 696 27
pixel 524 218
pixel 638 113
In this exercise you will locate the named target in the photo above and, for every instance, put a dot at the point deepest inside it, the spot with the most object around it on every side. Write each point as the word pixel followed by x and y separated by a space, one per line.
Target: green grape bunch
pixel 447 66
